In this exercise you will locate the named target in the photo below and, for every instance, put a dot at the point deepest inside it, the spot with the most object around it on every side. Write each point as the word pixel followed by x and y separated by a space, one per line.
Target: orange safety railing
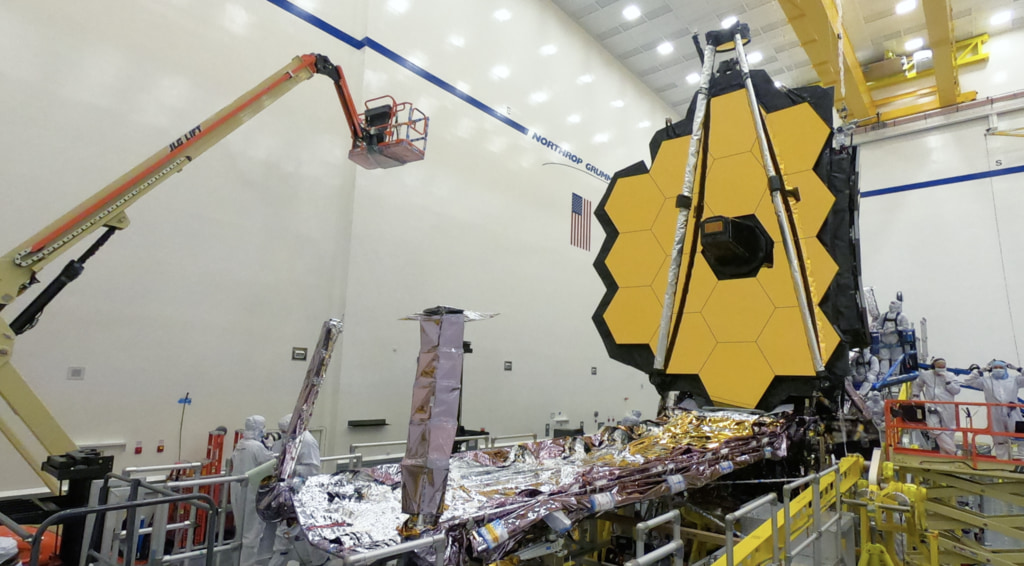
pixel 407 123
pixel 211 467
pixel 973 422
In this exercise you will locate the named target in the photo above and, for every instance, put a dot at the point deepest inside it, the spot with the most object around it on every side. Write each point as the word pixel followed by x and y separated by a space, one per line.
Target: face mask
pixel 999 373
pixel 894 308
pixel 940 371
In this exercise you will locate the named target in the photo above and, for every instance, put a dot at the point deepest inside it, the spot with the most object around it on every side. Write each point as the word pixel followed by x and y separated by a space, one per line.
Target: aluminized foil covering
pixel 350 511
pixel 495 496
pixel 302 414
pixel 693 156
pixel 433 420
pixel 468 316
pixel 274 501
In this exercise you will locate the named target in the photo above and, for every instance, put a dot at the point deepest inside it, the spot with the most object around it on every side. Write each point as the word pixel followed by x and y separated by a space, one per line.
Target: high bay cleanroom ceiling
pixel 795 42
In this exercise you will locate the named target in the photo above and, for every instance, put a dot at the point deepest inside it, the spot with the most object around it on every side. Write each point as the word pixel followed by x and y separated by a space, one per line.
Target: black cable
pixel 842 417
pixel 181 425
pixel 28 318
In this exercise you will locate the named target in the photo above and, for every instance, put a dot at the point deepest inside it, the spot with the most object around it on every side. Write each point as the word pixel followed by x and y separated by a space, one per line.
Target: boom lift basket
pixel 394 133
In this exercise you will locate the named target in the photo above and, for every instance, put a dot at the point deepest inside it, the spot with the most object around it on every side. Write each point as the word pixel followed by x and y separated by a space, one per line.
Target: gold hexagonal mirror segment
pixel 736 374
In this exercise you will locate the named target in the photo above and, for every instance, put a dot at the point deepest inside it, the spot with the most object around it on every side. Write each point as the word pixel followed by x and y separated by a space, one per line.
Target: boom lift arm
pixel 372 147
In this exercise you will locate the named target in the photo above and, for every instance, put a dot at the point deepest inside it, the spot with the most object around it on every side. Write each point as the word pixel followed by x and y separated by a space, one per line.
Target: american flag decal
pixel 579 220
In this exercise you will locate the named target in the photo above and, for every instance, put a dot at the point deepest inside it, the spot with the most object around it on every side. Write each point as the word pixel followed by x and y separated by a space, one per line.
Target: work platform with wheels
pixel 970 503
pixel 810 524
pixel 916 507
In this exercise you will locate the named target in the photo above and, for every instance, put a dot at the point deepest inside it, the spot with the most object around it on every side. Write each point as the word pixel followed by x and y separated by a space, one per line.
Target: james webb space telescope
pixel 732 264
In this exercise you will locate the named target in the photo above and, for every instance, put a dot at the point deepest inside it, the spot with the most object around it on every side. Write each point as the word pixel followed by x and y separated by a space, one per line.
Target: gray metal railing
pixel 531 435
pixel 439 542
pixel 815 528
pixel 353 447
pixel 360 445
pixel 200 500
pixel 15 527
pixel 730 524
pixel 355 461
pixel 197 466
pixel 105 546
pixel 673 547
pixel 490 441
pixel 887 507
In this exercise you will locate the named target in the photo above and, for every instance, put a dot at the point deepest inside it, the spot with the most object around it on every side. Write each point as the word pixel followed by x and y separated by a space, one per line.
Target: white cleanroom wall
pixel 996 75
pixel 953 244
pixel 483 223
pixel 224 267
pixel 228 266
pixel 1001 73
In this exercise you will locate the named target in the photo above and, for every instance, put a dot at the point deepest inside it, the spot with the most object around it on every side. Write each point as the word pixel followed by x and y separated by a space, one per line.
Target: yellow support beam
pixel 1016 132
pixel 26 404
pixel 938 16
pixel 26 453
pixel 816 23
pixel 905 95
pixel 917 109
pixel 971 50
pixel 756 548
pixel 29 408
pixel 967 51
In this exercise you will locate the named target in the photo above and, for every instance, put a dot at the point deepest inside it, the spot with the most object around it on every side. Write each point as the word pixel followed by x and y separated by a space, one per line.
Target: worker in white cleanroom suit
pixel 249 453
pixel 1000 385
pixel 937 384
pixel 308 461
pixel 889 326
pixel 290 543
pixel 864 370
pixel 863 374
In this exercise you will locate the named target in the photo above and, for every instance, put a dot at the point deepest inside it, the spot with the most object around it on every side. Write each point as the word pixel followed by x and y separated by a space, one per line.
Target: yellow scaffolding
pixel 967 52
pixel 799 520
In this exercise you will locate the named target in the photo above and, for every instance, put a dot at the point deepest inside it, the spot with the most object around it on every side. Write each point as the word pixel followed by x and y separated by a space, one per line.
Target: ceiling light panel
pixel 1000 18
pixel 906 6
pixel 500 71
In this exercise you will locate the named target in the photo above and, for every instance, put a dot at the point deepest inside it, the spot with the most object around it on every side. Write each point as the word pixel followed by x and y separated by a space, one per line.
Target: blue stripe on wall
pixel 395 57
pixel 433 79
pixel 945 181
pixel 318 23
pixel 444 85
